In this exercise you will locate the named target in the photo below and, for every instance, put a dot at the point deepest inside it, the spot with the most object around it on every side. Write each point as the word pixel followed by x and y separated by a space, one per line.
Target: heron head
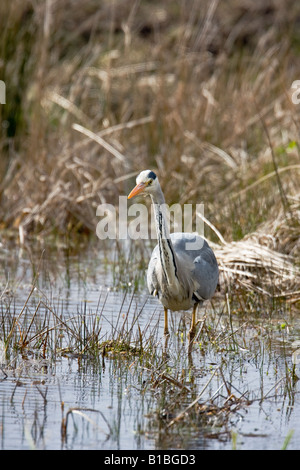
pixel 146 183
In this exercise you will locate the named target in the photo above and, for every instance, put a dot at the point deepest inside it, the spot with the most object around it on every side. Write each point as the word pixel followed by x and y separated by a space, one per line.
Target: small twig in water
pixel 191 405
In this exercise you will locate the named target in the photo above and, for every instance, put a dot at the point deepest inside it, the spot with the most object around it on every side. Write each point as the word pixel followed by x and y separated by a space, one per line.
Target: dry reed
pixel 202 93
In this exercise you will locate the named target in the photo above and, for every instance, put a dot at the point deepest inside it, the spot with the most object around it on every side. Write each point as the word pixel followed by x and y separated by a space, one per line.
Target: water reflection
pixel 236 379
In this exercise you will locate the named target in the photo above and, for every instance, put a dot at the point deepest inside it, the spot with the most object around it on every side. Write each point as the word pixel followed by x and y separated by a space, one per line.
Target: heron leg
pixel 166 330
pixel 193 325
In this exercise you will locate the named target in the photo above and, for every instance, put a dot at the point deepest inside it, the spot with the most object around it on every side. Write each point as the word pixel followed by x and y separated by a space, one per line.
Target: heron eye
pixel 150 182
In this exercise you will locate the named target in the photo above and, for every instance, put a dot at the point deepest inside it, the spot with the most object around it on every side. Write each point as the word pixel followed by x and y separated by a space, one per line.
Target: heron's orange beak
pixel 137 190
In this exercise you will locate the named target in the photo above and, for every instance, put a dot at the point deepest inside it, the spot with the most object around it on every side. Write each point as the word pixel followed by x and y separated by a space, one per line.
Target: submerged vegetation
pixel 240 359
pixel 201 92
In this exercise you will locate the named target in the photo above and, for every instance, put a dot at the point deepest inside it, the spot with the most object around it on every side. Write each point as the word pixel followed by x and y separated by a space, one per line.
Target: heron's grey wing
pixel 206 272
pixel 205 267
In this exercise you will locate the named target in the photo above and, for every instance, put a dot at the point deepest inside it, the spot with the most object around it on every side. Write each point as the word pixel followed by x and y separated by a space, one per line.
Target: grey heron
pixel 183 270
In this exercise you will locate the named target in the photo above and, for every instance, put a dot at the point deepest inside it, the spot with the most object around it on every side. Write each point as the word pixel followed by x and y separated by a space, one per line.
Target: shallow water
pixel 116 401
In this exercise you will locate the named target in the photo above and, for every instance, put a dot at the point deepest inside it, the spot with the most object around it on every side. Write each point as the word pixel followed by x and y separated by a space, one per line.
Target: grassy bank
pixel 200 91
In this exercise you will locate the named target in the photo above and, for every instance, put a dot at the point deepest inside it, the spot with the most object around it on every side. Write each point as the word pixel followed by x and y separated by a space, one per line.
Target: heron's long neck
pixel 166 250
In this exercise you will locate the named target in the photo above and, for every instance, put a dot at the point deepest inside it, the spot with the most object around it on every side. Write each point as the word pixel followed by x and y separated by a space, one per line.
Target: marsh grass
pixel 192 390
pixel 201 94
pixel 98 92
pixel 218 394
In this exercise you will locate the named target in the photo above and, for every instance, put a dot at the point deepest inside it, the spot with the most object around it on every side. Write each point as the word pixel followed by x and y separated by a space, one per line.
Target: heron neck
pixel 166 250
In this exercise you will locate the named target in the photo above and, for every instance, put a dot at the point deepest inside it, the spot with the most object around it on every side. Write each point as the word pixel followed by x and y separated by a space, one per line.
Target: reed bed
pixel 189 390
pixel 98 91
pixel 201 92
